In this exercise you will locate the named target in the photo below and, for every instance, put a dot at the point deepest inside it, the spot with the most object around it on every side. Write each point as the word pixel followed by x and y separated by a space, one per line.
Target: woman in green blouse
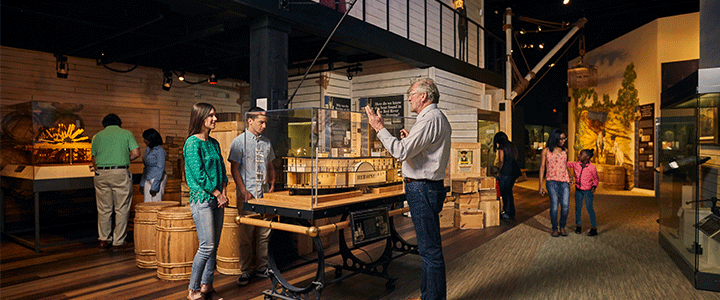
pixel 206 178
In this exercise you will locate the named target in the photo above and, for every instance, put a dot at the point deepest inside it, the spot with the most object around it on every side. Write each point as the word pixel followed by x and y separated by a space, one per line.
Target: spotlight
pixel 522 31
pixel 212 79
pixel 541 46
pixel 61 66
pixel 539 28
pixel 167 80
pixel 182 76
pixel 566 2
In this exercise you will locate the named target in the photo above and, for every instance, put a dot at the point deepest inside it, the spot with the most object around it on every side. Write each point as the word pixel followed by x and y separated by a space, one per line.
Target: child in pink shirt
pixel 586 180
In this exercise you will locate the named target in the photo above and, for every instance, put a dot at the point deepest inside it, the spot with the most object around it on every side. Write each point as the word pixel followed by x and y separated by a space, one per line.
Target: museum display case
pixel 326 151
pixel 687 188
pixel 45 140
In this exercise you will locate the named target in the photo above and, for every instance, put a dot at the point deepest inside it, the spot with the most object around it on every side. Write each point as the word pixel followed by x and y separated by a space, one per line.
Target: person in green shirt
pixel 112 150
pixel 206 178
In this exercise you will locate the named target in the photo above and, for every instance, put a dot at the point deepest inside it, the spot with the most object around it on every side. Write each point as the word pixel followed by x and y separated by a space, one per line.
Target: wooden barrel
pixel 228 253
pixel 145 233
pixel 611 177
pixel 176 243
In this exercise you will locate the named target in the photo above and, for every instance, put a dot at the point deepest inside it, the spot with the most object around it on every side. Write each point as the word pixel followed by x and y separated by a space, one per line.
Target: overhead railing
pixel 435 25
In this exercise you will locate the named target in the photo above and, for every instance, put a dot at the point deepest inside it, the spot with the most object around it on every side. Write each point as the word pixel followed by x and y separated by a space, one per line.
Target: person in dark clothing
pixel 507 163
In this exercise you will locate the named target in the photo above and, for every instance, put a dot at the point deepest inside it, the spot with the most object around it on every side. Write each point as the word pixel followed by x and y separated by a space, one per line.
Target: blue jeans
pixel 426 201
pixel 588 195
pixel 506 191
pixel 208 222
pixel 559 192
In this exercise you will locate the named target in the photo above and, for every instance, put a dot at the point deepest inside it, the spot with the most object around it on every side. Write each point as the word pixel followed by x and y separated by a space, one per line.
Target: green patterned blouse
pixel 204 168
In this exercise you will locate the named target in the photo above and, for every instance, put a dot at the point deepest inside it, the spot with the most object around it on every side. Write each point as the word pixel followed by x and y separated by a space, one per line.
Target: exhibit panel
pixel 689 212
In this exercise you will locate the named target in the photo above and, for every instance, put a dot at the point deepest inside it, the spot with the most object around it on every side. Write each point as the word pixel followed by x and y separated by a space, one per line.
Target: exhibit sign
pixel 644 146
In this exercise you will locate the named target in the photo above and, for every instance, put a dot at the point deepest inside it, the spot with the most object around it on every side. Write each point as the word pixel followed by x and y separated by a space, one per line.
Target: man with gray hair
pixel 424 152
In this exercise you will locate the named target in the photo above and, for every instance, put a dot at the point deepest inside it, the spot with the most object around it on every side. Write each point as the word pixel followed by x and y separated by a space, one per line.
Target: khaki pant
pixel 261 237
pixel 113 193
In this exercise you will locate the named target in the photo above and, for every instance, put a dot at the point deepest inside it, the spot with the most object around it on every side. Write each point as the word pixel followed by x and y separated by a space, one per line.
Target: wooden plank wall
pixel 464 125
pixel 136 97
pixel 309 94
pixel 709 180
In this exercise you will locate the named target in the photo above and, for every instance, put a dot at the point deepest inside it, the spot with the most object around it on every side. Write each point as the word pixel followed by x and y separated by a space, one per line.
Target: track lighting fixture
pixel 61 66
pixel 212 79
pixel 167 80
pixel 182 76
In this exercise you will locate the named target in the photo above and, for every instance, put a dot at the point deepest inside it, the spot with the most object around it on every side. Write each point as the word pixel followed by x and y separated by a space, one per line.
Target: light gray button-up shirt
pixel 425 152
pixel 253 154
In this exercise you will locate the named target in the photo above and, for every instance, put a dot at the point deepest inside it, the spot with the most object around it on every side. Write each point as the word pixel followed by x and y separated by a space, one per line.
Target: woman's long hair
pixel 501 141
pixel 554 140
pixel 200 111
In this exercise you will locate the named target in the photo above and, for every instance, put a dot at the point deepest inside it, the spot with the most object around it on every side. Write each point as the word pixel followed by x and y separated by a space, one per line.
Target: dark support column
pixel 269 61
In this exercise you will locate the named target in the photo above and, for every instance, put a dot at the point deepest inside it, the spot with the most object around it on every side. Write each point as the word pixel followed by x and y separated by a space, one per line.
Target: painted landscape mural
pixel 607 125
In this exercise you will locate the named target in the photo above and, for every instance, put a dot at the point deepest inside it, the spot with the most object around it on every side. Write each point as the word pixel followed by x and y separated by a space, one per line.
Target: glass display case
pixel 49 134
pixel 687 191
pixel 326 152
pixel 486 132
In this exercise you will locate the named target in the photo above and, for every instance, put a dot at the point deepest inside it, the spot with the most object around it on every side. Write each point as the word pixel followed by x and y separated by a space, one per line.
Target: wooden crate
pixel 491 209
pixel 303 244
pixel 487 194
pixel 470 198
pixel 466 206
pixel 468 185
pixel 447 215
pixel 487 183
pixel 469 219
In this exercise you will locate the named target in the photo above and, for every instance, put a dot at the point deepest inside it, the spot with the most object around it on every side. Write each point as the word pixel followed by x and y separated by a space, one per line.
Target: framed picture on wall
pixel 708 125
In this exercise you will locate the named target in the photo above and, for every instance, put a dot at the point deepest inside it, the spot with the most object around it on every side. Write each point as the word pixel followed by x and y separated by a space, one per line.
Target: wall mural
pixel 608 126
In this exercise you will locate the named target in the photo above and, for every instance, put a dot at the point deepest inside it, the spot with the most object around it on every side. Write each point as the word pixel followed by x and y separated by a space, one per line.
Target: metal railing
pixel 493 47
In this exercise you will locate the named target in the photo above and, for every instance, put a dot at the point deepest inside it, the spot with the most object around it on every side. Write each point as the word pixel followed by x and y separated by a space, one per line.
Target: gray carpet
pixel 624 262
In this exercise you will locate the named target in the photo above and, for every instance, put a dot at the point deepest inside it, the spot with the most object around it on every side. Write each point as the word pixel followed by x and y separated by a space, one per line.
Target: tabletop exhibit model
pixel 329 163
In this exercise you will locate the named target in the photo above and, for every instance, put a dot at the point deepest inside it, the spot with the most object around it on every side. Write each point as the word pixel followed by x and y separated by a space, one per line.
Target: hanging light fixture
pixel 167 80
pixel 182 76
pixel 61 66
pixel 212 79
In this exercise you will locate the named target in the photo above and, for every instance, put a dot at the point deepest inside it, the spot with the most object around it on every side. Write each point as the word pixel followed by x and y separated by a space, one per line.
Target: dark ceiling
pixel 607 20
pixel 207 37
pixel 196 36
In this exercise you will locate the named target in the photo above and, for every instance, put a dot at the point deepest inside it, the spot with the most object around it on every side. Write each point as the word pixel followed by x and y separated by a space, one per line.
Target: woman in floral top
pixel 553 167
pixel 206 178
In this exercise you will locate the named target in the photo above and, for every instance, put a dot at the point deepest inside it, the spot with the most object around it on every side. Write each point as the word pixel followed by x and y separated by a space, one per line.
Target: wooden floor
pixel 81 271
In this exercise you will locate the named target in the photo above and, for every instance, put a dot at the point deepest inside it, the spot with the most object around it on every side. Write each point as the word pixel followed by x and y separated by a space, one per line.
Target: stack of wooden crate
pixel 476 205
pixel 173 160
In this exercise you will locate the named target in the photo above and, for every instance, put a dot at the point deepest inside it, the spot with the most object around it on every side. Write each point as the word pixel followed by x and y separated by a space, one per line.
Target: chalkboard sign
pixel 389 105
pixel 337 103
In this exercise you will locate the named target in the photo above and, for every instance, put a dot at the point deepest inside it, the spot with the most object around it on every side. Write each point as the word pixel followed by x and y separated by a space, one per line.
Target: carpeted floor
pixel 625 261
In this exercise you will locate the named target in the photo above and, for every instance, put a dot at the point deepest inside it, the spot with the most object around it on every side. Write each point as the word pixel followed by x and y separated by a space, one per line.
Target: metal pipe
pixel 579 24
pixel 312 231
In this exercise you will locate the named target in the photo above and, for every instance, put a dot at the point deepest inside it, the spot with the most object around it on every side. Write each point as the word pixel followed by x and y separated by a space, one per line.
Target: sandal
pixel 202 296
pixel 212 295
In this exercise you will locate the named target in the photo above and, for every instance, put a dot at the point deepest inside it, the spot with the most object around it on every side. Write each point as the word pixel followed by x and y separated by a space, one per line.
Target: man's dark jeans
pixel 425 199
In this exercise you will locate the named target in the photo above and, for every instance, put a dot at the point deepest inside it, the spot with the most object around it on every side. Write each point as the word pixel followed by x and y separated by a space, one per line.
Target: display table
pixel 46 178
pixel 306 208
pixel 39 179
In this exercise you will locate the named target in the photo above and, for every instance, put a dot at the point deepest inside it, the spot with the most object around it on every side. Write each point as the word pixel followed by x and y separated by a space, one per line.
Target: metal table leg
pixel 282 289
pixel 37 222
